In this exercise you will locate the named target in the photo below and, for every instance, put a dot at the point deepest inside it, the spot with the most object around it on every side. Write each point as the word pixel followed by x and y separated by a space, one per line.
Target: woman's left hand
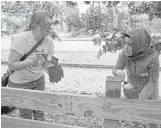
pixel 130 91
pixel 129 87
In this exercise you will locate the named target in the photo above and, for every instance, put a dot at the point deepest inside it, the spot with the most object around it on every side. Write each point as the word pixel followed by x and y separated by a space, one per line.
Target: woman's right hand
pixel 34 60
pixel 120 73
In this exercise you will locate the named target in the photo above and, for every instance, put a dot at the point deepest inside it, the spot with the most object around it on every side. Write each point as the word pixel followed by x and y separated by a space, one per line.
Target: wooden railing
pixel 109 108
pixel 79 65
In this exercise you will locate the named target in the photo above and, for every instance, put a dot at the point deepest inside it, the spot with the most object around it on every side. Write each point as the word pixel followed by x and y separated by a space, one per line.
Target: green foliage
pixel 87 2
pixel 97 19
pixel 112 3
pixel 10 12
pixel 93 20
pixel 73 20
pixel 112 42
pixel 106 35
pixel 110 38
pixel 71 3
pixel 16 15
pixel 109 42
pixel 152 8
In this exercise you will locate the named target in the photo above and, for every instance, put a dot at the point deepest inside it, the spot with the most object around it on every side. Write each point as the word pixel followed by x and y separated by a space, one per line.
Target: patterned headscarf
pixel 141 41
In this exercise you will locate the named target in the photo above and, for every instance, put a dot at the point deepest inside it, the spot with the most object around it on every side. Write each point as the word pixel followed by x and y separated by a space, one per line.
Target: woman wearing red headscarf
pixel 29 74
pixel 141 64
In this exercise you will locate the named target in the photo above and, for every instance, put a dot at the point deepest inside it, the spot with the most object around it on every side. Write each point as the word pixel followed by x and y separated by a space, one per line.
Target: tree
pixel 93 19
pixel 108 30
pixel 16 13
pixel 152 8
pixel 73 20
pixel 100 16
pixel 71 3
pixel 111 40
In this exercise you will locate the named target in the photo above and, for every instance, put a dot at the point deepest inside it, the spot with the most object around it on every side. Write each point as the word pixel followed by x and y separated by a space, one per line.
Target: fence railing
pixel 108 108
pixel 79 65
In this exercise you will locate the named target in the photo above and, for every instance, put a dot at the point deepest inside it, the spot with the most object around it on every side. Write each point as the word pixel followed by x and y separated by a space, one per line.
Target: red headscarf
pixel 141 41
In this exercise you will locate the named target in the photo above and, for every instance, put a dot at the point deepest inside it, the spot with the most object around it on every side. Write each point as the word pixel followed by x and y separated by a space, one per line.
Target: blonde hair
pixel 38 17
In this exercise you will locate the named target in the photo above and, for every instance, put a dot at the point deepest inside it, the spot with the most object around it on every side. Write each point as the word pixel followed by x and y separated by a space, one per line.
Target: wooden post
pixel 113 89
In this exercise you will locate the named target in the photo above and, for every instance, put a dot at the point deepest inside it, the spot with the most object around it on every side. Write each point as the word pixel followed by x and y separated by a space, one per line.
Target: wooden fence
pixel 109 108
pixel 79 65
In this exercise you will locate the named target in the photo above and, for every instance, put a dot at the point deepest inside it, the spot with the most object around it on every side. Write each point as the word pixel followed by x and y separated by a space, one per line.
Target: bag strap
pixel 33 49
pixel 29 53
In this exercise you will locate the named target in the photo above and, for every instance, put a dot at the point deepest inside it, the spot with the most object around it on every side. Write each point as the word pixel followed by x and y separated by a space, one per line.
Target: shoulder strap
pixel 33 49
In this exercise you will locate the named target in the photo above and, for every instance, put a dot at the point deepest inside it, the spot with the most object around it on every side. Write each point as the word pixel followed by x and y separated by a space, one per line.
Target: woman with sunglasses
pixel 29 74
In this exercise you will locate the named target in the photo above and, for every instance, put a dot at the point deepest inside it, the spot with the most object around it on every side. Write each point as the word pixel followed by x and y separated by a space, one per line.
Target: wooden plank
pixel 101 107
pixel 5 62
pixel 13 122
pixel 113 89
pixel 113 79
pixel 86 65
